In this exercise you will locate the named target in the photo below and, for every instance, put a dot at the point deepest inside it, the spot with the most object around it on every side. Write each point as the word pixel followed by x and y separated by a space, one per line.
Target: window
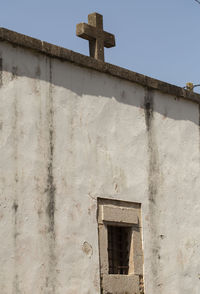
pixel 118 249
pixel 120 246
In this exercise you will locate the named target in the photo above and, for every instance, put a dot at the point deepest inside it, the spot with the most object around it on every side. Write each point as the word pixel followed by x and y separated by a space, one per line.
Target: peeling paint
pixel 87 249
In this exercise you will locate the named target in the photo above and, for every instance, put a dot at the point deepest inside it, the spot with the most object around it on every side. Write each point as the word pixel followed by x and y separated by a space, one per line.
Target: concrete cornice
pixel 88 62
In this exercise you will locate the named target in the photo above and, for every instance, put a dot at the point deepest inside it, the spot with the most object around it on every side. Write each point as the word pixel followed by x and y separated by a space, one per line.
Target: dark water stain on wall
pixel 14 72
pixel 50 210
pixel 1 72
pixel 15 206
pixel 154 183
pixel 148 108
pixel 15 209
pixel 199 128
pixel 16 289
pixel 154 172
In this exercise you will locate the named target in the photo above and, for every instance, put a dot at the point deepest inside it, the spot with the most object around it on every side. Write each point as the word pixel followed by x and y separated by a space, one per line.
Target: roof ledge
pixel 89 62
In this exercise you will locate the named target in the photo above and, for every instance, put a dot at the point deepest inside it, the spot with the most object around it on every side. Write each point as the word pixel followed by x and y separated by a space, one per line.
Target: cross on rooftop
pixel 97 37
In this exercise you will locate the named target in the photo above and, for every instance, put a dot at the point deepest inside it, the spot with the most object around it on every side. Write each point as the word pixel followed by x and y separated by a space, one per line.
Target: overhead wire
pixel 197 1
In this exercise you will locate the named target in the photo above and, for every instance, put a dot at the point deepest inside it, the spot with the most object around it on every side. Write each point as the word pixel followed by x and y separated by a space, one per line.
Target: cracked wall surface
pixel 69 135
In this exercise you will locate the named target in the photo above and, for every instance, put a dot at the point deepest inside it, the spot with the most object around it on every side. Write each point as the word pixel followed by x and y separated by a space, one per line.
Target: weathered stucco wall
pixel 69 135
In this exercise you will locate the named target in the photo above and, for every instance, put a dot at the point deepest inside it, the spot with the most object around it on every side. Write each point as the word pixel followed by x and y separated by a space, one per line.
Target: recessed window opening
pixel 119 242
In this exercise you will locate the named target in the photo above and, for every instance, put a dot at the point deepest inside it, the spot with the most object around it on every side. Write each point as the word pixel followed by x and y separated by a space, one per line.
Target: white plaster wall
pixel 69 135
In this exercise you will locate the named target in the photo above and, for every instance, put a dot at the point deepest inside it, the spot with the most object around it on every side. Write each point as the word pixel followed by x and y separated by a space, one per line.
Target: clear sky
pixel 157 38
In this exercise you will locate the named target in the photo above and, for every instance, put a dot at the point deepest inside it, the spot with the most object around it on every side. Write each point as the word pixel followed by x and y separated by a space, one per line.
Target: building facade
pixel 99 181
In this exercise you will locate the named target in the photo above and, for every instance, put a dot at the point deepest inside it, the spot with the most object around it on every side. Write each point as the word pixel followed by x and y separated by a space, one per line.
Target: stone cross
pixel 97 37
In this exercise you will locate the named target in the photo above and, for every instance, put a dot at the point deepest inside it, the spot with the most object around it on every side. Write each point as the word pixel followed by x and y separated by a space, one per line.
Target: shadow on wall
pixel 83 81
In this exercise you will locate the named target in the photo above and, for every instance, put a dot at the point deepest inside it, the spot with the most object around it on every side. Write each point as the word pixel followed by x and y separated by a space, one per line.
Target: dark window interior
pixel 119 241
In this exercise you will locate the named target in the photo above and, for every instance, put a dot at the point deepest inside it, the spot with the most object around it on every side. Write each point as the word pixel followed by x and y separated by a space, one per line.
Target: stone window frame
pixel 120 213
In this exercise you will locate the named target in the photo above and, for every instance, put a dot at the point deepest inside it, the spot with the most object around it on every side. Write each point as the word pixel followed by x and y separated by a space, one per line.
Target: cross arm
pixel 109 40
pixel 89 33
pixel 86 31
